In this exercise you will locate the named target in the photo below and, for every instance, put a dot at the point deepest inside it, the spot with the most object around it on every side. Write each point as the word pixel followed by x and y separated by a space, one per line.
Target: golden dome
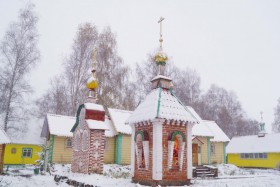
pixel 92 83
pixel 161 58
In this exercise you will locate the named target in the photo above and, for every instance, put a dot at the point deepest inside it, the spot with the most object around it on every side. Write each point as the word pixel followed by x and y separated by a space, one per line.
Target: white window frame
pixel 67 143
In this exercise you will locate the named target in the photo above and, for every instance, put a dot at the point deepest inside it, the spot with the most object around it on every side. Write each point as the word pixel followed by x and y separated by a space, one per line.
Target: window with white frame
pixel 253 155
pixel 85 140
pixel 26 153
pixel 69 142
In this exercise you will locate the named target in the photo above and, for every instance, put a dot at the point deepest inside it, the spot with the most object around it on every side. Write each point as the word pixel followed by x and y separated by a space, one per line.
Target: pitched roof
pixel 119 118
pixel 161 103
pixel 61 125
pixel 4 139
pixel 219 135
pixel 208 129
pixel 254 144
pixel 32 136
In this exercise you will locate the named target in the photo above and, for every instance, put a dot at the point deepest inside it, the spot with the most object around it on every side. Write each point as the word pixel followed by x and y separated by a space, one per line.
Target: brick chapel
pixel 161 150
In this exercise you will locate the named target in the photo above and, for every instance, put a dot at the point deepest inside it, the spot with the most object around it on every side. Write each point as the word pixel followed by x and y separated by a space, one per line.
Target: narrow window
pixel 256 155
pixel 251 155
pixel 77 141
pixel 26 153
pixel 141 157
pixel 176 151
pixel 212 148
pixel 246 155
pixel 260 155
pixel 85 140
pixel 242 155
pixel 69 142
pixel 264 155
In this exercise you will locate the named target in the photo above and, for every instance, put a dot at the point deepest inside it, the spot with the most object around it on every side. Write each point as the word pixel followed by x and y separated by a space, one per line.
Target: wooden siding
pixel 109 151
pixel 16 158
pixel 204 150
pixel 61 153
pixel 126 147
pixel 2 148
pixel 272 161
pixel 218 157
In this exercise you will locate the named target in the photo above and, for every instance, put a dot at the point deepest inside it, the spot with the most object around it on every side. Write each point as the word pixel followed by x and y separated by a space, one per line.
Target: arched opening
pixel 140 150
pixel 176 146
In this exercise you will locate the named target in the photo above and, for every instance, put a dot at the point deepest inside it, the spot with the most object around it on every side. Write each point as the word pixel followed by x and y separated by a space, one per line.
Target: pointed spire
pixel 261 127
pixel 92 83
pixel 161 57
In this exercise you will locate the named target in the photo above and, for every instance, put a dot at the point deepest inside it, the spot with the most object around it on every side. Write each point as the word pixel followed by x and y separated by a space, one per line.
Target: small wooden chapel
pixel 161 140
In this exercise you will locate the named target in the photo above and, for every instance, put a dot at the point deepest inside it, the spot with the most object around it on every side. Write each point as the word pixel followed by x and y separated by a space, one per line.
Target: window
pixel 77 141
pixel 68 142
pixel 264 155
pixel 85 140
pixel 253 155
pixel 13 150
pixel 212 149
pixel 27 153
pixel 242 155
pixel 260 155
pixel 256 155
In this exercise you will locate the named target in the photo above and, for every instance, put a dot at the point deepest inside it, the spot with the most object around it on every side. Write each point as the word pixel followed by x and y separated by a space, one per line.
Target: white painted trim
pixel 146 153
pixel 132 151
pixel 170 153
pixel 189 150
pixel 181 155
pixel 157 149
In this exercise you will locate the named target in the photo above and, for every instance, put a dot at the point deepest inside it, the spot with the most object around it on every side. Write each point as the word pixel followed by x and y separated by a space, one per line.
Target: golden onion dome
pixel 92 83
pixel 161 58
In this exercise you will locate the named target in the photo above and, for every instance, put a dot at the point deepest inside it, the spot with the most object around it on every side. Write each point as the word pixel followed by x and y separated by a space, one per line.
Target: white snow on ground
pixel 116 175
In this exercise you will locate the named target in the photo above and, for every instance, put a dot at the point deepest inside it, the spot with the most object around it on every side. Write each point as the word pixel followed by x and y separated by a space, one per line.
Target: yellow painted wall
pixel 126 147
pixel 204 150
pixel 218 157
pixel 61 153
pixel 273 159
pixel 16 158
pixel 109 150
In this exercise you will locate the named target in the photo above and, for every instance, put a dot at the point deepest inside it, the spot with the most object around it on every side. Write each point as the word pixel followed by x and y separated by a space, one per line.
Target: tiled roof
pixel 161 103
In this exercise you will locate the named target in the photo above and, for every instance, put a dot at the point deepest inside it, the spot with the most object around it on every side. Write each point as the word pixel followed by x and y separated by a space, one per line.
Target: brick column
pixel 132 151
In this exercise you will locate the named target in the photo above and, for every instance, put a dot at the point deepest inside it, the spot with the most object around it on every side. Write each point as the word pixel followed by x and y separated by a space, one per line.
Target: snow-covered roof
pixel 93 106
pixel 160 77
pixel 219 135
pixel 119 118
pixel 254 144
pixel 32 136
pixel 111 132
pixel 207 128
pixel 161 103
pixel 58 125
pixel 94 124
pixel 4 139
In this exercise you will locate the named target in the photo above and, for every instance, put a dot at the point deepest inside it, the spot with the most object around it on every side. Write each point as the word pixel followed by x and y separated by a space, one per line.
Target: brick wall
pixel 174 173
pixel 170 177
pixel 143 174
pixel 96 162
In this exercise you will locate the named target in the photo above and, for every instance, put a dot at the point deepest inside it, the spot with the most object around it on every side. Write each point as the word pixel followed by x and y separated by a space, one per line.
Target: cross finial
pixel 160 39
pixel 261 116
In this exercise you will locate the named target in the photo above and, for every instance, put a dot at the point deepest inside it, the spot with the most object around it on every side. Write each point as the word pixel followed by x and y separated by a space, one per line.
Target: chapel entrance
pixel 195 154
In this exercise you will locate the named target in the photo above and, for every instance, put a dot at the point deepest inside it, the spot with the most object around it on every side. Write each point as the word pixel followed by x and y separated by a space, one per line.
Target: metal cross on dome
pixel 160 39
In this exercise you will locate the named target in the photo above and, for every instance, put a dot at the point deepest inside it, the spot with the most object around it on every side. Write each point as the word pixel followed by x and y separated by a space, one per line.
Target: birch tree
pixel 276 122
pixel 18 54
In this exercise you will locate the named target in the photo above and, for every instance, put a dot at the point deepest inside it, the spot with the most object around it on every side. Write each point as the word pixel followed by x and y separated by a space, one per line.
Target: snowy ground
pixel 115 175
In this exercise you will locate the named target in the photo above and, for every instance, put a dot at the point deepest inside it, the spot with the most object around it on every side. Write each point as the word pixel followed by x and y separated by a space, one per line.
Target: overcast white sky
pixel 234 44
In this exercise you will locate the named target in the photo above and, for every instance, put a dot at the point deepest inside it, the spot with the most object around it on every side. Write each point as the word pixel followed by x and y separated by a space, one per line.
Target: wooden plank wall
pixel 126 147
pixel 61 153
pixel 109 150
